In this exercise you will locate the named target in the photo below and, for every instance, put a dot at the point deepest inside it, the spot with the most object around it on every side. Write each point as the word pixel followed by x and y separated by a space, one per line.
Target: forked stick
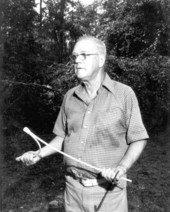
pixel 28 131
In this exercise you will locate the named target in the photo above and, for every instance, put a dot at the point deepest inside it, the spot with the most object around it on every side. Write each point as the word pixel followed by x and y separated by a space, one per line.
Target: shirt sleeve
pixel 135 128
pixel 60 124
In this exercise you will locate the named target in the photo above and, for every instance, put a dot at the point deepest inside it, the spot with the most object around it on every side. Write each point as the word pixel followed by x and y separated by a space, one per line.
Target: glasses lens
pixel 81 56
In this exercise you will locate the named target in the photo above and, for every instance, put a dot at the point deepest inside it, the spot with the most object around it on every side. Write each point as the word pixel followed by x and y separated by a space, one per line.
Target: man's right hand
pixel 29 158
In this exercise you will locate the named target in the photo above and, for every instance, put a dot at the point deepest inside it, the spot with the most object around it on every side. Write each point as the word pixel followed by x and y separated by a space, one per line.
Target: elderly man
pixel 99 123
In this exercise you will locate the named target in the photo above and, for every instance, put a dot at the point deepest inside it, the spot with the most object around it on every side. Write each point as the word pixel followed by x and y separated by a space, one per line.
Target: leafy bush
pixel 140 28
pixel 36 74
pixel 36 105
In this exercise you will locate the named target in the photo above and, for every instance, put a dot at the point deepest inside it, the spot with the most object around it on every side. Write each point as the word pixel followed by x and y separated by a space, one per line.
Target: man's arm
pixel 31 157
pixel 132 154
pixel 134 151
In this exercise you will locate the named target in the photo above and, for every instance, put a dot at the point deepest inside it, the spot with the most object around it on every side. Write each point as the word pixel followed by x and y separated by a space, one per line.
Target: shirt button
pixel 88 111
pixel 85 126
pixel 82 142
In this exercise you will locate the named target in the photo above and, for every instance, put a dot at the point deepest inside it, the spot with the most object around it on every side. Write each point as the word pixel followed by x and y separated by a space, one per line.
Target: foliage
pixel 29 62
pixel 36 105
pixel 36 68
pixel 136 28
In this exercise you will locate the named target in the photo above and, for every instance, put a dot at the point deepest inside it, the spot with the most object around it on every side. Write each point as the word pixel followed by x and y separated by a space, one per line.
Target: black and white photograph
pixel 85 105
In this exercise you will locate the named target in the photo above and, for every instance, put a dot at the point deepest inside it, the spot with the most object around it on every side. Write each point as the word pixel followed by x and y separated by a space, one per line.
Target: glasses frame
pixel 82 56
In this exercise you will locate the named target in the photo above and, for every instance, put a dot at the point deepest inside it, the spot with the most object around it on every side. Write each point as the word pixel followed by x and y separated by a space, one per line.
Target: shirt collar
pixel 107 83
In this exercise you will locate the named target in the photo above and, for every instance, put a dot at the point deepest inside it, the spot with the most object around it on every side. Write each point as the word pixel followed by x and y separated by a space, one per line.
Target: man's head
pixel 89 55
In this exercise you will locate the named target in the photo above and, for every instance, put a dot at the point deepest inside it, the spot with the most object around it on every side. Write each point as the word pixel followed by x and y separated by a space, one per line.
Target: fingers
pixel 28 158
pixel 120 171
pixel 108 174
pixel 113 175
pixel 17 159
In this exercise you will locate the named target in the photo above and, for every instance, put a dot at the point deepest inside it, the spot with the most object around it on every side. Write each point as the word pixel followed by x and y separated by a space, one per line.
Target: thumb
pixel 17 159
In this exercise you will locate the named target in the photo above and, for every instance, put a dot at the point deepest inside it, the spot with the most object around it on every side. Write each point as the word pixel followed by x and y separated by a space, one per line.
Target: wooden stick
pixel 28 131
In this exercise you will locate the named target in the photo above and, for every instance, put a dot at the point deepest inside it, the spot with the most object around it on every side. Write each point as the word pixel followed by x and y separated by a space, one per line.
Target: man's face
pixel 87 60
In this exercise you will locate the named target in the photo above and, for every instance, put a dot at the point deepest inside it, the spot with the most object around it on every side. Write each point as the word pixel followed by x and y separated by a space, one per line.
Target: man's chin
pixel 80 76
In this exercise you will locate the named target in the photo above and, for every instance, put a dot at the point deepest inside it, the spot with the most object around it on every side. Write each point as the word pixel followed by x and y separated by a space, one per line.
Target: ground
pixel 31 189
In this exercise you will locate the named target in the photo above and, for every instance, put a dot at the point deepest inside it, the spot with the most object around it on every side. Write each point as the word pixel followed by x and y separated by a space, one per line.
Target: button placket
pixel 85 129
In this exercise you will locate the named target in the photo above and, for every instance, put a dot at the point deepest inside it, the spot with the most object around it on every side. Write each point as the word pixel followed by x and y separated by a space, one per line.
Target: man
pixel 99 123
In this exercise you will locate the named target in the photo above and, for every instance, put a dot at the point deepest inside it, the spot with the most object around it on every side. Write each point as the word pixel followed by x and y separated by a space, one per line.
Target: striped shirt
pixel 99 132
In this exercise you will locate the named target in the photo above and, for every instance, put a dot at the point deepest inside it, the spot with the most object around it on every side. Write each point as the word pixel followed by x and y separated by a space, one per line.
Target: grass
pixel 30 189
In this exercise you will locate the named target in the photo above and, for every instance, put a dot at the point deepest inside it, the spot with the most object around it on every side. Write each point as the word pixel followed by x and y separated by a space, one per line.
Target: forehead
pixel 85 46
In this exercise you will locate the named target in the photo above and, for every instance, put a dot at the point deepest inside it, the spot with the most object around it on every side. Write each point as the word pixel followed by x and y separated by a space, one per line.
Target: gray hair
pixel 99 44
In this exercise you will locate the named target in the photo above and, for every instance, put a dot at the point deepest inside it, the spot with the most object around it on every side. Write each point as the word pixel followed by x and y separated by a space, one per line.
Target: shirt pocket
pixel 74 119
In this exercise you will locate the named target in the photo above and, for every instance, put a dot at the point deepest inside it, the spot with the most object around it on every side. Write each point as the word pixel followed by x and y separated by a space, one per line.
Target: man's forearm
pixel 134 151
pixel 57 142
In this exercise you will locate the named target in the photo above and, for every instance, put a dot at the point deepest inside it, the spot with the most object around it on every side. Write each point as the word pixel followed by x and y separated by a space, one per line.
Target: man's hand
pixel 29 158
pixel 115 174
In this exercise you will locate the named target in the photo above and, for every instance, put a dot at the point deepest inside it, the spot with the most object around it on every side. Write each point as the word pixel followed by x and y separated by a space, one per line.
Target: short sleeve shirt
pixel 99 132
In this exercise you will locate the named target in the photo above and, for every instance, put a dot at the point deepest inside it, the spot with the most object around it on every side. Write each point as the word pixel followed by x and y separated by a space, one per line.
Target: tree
pixel 37 70
pixel 136 28
pixel 20 52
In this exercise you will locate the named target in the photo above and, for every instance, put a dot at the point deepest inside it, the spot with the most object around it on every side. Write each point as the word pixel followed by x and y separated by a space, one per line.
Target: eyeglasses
pixel 81 56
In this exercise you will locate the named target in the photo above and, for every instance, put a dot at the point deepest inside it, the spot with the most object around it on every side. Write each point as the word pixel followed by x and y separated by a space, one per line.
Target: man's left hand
pixel 114 174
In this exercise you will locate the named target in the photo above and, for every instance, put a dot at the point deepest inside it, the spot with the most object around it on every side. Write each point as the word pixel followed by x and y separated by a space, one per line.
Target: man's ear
pixel 102 60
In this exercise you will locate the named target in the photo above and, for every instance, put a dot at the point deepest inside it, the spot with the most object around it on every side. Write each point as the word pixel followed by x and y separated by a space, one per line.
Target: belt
pixel 88 182
pixel 92 182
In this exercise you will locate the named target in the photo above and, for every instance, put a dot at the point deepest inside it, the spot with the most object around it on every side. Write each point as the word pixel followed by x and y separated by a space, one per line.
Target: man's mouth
pixel 78 68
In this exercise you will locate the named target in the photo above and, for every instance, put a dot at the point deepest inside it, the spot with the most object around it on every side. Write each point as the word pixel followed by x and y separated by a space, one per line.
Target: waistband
pixel 87 182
